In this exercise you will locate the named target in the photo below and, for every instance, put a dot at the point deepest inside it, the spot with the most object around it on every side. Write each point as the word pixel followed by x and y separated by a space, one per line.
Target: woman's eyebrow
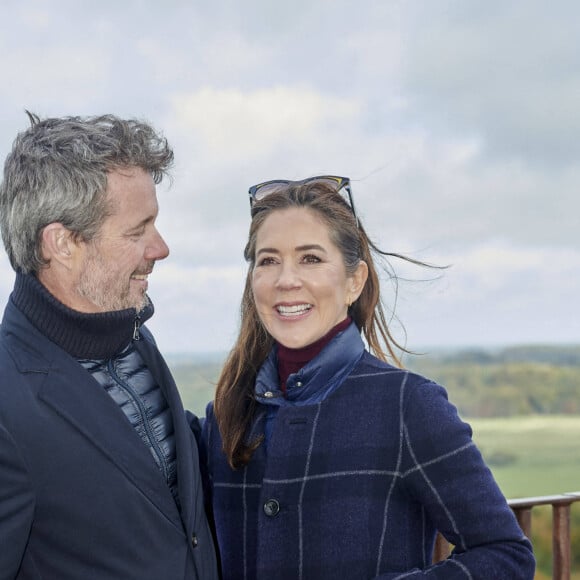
pixel 303 248
pixel 307 247
pixel 267 251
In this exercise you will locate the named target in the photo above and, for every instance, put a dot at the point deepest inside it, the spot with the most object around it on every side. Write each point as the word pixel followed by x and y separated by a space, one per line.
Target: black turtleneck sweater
pixel 95 336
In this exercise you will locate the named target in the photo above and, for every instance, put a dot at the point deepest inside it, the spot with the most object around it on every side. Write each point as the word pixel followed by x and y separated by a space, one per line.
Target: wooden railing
pixel 561 547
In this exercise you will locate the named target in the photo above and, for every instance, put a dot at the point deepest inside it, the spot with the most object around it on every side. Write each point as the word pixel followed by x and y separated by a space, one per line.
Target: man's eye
pixel 136 234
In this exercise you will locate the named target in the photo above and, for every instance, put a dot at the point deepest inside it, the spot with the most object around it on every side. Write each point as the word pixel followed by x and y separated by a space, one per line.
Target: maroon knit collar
pixel 291 360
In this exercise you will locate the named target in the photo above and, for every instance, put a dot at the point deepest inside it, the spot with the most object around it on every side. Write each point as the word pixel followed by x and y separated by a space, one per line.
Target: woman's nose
pixel 288 277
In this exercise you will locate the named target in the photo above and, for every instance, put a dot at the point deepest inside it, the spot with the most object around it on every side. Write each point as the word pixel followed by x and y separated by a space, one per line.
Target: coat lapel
pixel 81 401
pixel 65 386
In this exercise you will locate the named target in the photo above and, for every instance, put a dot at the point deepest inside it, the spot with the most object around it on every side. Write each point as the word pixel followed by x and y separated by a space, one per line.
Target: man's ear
pixel 57 244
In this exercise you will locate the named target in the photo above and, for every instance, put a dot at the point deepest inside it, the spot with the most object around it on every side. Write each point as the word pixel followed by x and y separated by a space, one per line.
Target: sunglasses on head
pixel 339 184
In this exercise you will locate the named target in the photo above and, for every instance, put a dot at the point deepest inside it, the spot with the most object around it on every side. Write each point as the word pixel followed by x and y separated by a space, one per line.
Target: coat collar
pixel 318 378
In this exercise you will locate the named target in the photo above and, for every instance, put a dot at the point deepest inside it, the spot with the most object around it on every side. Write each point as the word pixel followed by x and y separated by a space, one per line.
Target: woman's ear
pixel 358 281
pixel 57 244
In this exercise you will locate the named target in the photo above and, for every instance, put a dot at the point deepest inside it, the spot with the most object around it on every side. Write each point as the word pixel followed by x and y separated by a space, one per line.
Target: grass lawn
pixel 531 455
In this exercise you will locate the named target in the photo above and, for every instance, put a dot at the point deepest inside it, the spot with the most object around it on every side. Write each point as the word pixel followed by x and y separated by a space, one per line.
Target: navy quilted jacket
pixel 355 485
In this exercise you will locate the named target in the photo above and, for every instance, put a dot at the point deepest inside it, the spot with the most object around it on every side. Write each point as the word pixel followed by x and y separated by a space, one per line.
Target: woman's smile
pixel 293 311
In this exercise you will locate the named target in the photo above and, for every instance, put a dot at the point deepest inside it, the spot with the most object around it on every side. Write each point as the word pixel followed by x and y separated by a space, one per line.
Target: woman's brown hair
pixel 234 404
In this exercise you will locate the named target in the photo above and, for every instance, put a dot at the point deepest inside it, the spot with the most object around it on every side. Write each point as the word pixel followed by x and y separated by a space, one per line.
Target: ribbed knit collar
pixel 92 336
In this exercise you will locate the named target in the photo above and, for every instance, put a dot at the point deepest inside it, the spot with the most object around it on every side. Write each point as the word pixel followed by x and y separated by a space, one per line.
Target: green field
pixel 196 385
pixel 531 455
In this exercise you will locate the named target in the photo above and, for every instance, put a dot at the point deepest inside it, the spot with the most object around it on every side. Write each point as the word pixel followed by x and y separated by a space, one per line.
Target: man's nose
pixel 157 248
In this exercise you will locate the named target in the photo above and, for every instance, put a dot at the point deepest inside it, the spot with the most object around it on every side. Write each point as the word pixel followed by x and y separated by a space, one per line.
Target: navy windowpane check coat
pixel 355 486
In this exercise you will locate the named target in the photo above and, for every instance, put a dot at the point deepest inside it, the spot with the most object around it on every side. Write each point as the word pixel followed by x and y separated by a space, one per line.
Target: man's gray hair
pixel 57 172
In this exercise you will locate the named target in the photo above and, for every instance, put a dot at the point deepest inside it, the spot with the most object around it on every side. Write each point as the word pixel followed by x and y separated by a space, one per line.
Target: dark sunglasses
pixel 340 185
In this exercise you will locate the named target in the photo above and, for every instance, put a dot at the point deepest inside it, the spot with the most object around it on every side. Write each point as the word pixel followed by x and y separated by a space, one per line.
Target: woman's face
pixel 300 285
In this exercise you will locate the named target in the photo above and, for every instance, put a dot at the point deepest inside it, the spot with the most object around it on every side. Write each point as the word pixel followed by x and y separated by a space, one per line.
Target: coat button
pixel 194 540
pixel 271 508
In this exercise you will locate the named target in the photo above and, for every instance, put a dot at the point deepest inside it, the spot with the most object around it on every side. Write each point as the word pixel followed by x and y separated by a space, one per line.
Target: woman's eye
pixel 266 261
pixel 311 259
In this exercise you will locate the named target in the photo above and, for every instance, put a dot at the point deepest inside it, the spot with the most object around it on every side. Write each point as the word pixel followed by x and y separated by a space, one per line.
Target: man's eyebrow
pixel 141 224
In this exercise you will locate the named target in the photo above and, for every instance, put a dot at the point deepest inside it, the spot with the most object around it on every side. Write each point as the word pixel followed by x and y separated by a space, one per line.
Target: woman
pixel 324 460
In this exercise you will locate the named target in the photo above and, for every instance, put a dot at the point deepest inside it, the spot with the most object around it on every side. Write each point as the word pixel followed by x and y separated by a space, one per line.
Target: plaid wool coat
pixel 355 485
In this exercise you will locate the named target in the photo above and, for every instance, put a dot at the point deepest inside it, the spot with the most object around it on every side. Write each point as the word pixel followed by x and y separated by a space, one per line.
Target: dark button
pixel 271 508
pixel 194 540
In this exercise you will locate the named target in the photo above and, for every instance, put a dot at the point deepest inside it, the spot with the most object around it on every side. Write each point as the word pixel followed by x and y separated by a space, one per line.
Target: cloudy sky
pixel 458 122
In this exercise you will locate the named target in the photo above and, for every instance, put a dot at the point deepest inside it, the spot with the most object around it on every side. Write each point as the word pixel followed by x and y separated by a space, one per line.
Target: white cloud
pixel 248 125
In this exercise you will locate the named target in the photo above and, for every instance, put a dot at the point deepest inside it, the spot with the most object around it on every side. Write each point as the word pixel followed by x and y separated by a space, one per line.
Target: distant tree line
pixel 566 355
pixel 518 380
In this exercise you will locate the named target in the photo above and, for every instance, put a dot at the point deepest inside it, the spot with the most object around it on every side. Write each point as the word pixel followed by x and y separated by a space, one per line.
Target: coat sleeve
pixel 195 424
pixel 207 426
pixel 16 506
pixel 443 470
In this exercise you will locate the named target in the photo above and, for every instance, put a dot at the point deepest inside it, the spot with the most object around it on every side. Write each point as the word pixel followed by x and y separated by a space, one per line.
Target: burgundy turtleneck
pixel 291 360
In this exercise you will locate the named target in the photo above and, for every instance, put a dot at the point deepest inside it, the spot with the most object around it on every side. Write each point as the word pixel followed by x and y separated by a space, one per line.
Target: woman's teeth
pixel 295 310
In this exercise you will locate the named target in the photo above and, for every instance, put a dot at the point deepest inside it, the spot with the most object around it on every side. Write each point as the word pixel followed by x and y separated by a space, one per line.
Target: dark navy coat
pixel 80 495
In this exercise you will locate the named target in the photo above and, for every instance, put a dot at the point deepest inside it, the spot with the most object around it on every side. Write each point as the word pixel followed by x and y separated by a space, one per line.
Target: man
pixel 99 472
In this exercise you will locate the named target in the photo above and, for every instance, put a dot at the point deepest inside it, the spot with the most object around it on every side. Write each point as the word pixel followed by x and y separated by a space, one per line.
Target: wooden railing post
pixel 524 517
pixel 561 549
pixel 561 539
